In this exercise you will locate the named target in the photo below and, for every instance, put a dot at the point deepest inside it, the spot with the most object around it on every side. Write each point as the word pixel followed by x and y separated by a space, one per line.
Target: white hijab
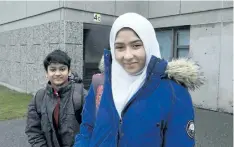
pixel 124 86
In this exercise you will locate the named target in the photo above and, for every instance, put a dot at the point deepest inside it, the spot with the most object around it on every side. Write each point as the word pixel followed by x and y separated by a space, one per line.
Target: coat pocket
pixel 46 129
pixel 70 127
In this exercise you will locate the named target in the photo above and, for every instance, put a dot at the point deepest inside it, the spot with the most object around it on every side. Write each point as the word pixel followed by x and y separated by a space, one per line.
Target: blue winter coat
pixel 159 114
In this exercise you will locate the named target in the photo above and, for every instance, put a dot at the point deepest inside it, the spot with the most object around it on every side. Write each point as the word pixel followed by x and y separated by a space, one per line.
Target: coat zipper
pixel 163 129
pixel 119 134
pixel 148 77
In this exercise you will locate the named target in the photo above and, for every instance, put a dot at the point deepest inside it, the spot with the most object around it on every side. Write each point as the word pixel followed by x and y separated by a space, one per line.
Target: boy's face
pixel 57 74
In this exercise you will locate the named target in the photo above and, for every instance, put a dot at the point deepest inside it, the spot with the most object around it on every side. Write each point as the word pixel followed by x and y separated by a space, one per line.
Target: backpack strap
pixel 78 91
pixel 97 82
pixel 78 98
pixel 39 96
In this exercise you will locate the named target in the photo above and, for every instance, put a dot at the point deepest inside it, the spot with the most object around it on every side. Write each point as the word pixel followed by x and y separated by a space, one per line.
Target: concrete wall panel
pixel 76 53
pixel 16 74
pixel 225 15
pixel 227 3
pixel 22 62
pixel 196 6
pixel 23 52
pixel 23 80
pixel 37 7
pixel 163 8
pixel 205 48
pixel 22 37
pixel 33 21
pixel 31 78
pixel 143 8
pixel 2 70
pixel 2 51
pixel 12 10
pixel 225 101
pixel 5 67
pixel 40 53
pixel 41 34
pixel 15 53
pixel 212 47
pixel 106 7
pixel 125 6
pixel 80 5
pixel 87 17
pixel 74 33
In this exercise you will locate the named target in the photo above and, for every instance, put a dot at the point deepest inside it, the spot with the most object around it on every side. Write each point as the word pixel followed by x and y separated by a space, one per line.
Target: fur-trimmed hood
pixel 187 72
pixel 183 70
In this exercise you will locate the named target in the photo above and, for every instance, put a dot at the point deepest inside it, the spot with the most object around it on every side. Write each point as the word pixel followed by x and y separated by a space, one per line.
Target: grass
pixel 13 104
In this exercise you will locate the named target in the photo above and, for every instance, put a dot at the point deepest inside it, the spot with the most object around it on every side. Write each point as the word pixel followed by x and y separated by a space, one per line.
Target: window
pixel 173 42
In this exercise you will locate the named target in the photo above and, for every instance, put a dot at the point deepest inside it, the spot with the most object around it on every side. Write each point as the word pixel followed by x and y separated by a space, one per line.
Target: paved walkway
pixel 212 130
pixel 12 133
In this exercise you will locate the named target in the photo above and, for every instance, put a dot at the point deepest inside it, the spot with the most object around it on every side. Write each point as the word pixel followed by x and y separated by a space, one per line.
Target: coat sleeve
pixel 88 118
pixel 33 126
pixel 180 126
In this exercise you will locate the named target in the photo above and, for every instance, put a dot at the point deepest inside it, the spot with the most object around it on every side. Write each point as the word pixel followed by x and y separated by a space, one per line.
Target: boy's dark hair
pixel 57 56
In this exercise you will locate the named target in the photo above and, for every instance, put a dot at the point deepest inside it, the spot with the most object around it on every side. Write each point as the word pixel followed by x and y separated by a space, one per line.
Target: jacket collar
pixel 62 90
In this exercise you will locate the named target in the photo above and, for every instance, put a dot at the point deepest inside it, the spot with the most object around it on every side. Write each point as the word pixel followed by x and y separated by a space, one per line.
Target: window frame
pixel 175 46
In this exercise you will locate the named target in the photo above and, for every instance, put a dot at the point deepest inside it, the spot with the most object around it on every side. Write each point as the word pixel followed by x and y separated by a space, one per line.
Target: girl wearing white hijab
pixel 145 101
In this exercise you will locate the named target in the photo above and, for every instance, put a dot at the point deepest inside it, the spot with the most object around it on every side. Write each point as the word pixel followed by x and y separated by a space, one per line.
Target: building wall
pixel 23 50
pixel 211 45
pixel 112 8
pixel 160 13
pixel 171 8
pixel 22 14
pixel 225 95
